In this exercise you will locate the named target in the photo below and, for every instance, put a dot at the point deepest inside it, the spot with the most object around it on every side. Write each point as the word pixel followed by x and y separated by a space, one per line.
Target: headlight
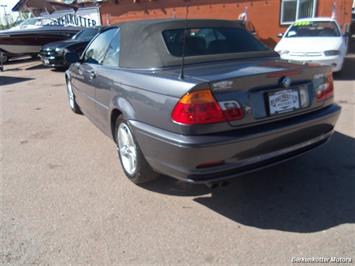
pixel 59 50
pixel 332 52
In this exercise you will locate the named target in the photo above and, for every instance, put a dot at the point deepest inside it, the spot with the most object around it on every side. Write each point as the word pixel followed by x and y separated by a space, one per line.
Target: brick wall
pixel 264 14
pixel 343 8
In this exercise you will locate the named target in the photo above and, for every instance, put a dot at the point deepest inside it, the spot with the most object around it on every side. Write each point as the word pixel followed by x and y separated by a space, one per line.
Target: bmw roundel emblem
pixel 285 82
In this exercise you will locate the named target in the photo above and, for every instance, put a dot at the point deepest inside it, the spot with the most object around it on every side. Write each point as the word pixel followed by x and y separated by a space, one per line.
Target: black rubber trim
pixel 253 167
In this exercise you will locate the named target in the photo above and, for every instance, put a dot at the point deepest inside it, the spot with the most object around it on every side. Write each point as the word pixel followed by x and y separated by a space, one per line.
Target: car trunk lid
pixel 257 84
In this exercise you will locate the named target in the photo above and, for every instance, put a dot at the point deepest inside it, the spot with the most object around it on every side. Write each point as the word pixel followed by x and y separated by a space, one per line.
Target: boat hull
pixel 31 41
pixel 20 49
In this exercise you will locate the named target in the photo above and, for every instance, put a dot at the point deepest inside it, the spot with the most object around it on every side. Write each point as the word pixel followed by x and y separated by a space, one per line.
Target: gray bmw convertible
pixel 199 100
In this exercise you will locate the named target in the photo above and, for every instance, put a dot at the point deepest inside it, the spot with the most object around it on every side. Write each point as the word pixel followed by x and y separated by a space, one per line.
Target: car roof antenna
pixel 182 71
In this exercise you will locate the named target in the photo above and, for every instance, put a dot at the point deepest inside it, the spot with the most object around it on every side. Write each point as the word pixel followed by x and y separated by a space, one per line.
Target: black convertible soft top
pixel 143 46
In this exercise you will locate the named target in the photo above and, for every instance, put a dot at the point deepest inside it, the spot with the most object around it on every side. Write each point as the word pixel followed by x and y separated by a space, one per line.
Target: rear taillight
pixel 326 90
pixel 200 107
pixel 232 110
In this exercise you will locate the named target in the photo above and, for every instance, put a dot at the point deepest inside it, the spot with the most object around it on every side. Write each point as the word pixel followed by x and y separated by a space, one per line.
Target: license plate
pixel 283 101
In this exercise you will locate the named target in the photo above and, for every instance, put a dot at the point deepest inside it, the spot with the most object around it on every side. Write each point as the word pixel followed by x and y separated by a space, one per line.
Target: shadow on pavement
pixel 170 186
pixel 5 80
pixel 59 69
pixel 348 71
pixel 309 194
pixel 38 66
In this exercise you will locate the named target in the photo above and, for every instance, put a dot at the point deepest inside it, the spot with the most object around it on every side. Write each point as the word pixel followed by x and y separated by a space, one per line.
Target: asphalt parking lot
pixel 65 200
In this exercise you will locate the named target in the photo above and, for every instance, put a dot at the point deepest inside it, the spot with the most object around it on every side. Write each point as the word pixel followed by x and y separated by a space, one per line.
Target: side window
pixel 112 56
pixel 97 49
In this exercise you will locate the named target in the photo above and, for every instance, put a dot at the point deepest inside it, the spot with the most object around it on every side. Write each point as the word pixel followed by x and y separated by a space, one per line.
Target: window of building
pixel 291 10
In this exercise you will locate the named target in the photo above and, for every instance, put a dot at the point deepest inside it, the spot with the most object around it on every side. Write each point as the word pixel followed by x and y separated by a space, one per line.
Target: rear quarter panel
pixel 139 96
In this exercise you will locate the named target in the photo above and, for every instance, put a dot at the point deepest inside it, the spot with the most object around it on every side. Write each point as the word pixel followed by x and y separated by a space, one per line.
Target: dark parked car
pixel 233 107
pixel 52 54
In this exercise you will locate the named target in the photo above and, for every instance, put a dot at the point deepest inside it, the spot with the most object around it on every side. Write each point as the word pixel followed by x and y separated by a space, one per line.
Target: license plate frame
pixel 283 101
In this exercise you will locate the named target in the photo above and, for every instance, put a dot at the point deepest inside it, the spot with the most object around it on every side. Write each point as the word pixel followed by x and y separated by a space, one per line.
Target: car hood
pixel 309 44
pixel 61 44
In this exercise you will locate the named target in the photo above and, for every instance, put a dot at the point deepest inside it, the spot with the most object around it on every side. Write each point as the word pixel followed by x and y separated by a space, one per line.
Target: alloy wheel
pixel 127 149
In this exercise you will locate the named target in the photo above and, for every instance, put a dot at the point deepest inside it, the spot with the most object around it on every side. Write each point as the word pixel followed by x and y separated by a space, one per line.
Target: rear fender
pixel 124 107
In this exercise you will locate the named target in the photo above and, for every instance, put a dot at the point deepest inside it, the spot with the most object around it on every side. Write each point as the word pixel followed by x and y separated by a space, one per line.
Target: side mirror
pixel 280 35
pixel 71 57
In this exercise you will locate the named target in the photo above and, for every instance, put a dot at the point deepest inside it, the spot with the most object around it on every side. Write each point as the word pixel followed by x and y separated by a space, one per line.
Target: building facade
pixel 269 17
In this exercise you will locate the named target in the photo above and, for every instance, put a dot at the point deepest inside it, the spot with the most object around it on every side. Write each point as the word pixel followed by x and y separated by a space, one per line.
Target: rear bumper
pixel 336 62
pixel 242 150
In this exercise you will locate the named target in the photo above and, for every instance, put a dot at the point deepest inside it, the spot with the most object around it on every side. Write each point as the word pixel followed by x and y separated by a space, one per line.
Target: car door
pixel 104 81
pixel 87 69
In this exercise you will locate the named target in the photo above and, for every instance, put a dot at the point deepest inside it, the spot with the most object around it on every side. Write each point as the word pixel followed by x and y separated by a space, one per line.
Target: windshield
pixel 313 29
pixel 209 41
pixel 86 34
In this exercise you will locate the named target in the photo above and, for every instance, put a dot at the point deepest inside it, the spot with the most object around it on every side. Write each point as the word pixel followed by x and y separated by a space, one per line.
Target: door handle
pixel 92 75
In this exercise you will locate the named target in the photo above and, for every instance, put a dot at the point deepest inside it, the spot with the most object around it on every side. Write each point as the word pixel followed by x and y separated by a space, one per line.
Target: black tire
pixel 60 68
pixel 143 172
pixel 72 101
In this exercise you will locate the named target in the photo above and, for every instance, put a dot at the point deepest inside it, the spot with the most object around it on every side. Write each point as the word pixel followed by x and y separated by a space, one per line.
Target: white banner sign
pixel 83 17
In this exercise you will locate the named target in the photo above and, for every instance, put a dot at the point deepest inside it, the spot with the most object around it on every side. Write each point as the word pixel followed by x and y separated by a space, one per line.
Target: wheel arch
pixel 67 76
pixel 115 113
pixel 120 106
